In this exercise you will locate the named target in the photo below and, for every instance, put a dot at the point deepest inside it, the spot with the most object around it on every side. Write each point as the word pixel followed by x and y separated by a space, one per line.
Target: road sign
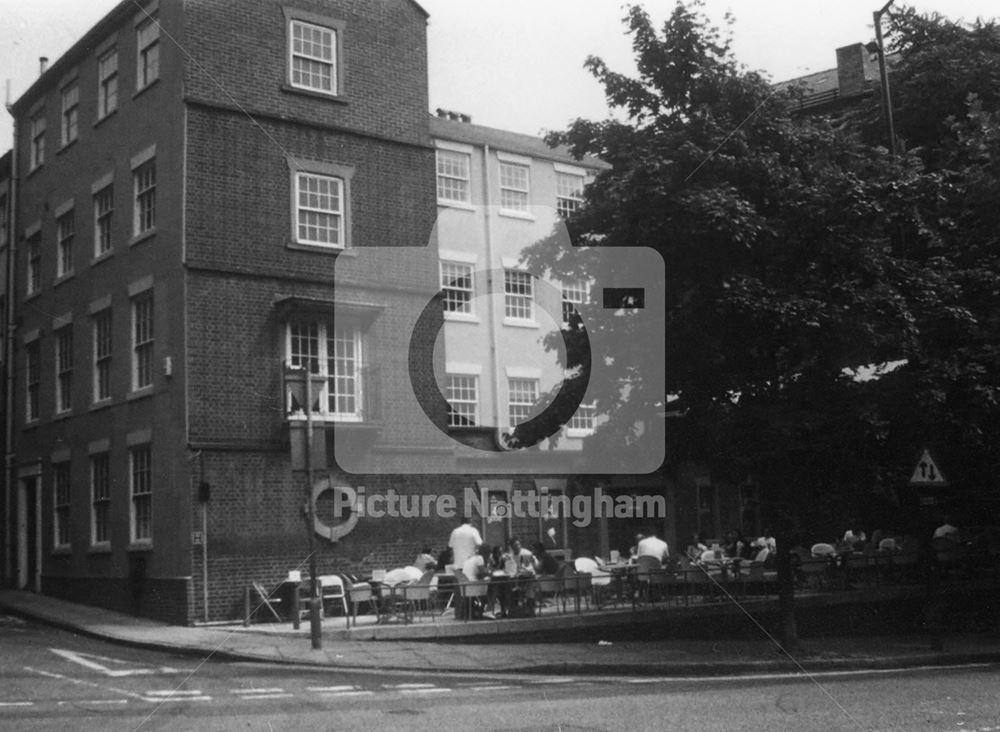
pixel 927 472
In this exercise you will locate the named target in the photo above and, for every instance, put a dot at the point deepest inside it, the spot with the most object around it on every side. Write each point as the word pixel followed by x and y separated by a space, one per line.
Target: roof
pixel 514 142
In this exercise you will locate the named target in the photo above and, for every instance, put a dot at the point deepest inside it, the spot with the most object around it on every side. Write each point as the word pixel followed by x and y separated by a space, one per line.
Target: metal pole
pixel 314 600
pixel 884 76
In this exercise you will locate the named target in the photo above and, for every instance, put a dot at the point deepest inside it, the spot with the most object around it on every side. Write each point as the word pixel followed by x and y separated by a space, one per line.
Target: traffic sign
pixel 927 472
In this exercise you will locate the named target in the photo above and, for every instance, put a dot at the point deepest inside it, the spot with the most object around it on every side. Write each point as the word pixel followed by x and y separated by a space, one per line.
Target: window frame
pixel 107 83
pixel 69 119
pixel 100 502
pixel 337 29
pixel 568 202
pixel 64 369
pixel 511 298
pixel 144 198
pixel 324 170
pixel 573 293
pixel 32 381
pixel 62 491
pixel 102 354
pixel 453 400
pixel 143 342
pixel 583 421
pixel 65 236
pixel 464 296
pixel 140 483
pixel 335 213
pixel 147 52
pixel 526 407
pixel 522 207
pixel 465 183
pixel 321 360
pixel 36 141
pixel 33 265
pixel 104 220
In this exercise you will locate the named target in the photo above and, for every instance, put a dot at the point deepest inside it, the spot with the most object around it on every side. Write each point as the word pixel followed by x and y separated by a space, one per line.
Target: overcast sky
pixel 518 64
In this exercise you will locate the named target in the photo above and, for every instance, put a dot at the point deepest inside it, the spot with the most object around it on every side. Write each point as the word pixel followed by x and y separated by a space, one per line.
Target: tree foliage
pixel 797 251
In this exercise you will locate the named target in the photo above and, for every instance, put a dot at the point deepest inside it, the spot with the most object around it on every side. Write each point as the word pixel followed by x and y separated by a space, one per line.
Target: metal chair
pixel 358 593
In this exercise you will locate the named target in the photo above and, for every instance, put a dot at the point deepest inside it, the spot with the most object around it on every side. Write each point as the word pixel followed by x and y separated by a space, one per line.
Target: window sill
pixel 35 170
pixel 32 295
pixel 66 146
pixel 150 85
pixel 303 246
pixel 109 115
pixel 144 392
pixel 31 424
pixel 461 317
pixel 325 96
pixel 517 323
pixel 63 278
pixel 141 546
pixel 522 215
pixel 59 416
pixel 460 205
pixel 327 418
pixel 102 257
pixel 98 406
pixel 102 548
pixel 576 433
pixel 139 238
pixel 64 550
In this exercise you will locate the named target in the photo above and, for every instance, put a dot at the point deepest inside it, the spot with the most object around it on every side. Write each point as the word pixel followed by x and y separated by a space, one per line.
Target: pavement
pixel 669 658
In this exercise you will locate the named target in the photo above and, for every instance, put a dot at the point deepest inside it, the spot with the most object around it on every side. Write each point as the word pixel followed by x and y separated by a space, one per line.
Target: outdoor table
pixel 514 593
pixel 387 602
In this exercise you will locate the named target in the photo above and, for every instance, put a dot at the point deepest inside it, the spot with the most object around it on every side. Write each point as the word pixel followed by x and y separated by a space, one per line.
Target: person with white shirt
pixel 653 546
pixel 464 542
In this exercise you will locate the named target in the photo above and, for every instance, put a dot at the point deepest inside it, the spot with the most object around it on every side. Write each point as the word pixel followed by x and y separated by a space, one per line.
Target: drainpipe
pixel 491 299
pixel 9 383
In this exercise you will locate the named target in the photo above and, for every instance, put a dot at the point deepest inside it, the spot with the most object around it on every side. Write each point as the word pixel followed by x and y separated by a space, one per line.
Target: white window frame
pixel 518 385
pixel 64 369
pixel 104 209
pixel 576 293
pixel 33 270
pixel 65 234
pixel 569 198
pixel 304 209
pixel 62 482
pixel 32 381
pixel 107 83
pixel 147 52
pixel 320 362
pixel 515 195
pixel 143 341
pixel 140 482
pixel 454 177
pixel 458 289
pixel 144 200
pixel 515 302
pixel 100 499
pixel 583 421
pixel 463 398
pixel 70 118
pixel 301 79
pixel 36 152
pixel 103 344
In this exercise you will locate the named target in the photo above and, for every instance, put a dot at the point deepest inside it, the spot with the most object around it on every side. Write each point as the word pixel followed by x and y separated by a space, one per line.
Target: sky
pixel 518 64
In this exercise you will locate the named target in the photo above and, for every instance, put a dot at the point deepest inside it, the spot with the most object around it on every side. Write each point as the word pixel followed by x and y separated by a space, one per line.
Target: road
pixel 57 680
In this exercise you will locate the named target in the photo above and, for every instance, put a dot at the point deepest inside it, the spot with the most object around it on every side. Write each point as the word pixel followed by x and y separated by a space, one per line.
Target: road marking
pixel 80 702
pixel 267 696
pixel 81 682
pixel 258 691
pixel 554 681
pixel 175 692
pixel 17 704
pixel 91 661
pixel 330 688
pixel 490 688
pixel 407 686
pixel 433 690
pixel 339 694
pixel 161 699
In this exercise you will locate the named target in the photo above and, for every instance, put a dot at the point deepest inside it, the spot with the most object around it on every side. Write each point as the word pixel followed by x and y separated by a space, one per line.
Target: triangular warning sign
pixel 927 472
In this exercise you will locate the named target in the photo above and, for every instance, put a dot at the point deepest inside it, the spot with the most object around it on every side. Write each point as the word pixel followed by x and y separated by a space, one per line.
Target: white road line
pixel 490 688
pixel 161 699
pixel 77 702
pixel 554 681
pixel 644 681
pixel 81 682
pixel 258 691
pixel 434 690
pixel 340 694
pixel 268 696
pixel 175 692
pixel 331 688
pixel 17 704
pixel 407 686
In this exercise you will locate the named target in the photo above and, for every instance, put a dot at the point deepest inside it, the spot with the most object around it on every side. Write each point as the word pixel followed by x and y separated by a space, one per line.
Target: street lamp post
pixel 315 616
pixel 884 75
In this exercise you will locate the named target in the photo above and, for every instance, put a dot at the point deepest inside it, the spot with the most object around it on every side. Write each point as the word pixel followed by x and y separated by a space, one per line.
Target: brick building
pixel 189 174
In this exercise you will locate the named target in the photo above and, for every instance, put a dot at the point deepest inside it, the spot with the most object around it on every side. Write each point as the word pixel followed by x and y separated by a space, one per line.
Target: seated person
pixel 425 560
pixel 653 546
pixel 633 551
pixel 518 561
pixel 734 547
pixel 696 547
pixel 947 530
pixel 476 567
pixel 444 559
pixel 547 564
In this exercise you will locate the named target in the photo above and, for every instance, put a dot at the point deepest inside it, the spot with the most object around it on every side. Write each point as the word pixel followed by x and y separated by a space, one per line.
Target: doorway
pixel 29 534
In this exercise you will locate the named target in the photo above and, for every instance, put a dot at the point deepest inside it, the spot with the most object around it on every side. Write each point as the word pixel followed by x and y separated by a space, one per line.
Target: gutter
pixel 9 381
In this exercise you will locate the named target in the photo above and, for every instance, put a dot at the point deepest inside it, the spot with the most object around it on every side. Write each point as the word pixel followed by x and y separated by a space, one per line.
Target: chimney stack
pixel 43 63
pixel 855 70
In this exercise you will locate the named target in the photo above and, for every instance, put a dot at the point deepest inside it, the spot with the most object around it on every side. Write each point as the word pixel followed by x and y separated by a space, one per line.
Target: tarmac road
pixel 54 679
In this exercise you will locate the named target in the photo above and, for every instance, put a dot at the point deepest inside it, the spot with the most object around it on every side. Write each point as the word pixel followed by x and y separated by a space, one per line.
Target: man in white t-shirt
pixel 652 546
pixel 464 542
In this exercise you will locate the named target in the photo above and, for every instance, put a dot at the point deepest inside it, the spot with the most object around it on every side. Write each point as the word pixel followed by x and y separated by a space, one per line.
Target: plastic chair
pixel 549 587
pixel 332 592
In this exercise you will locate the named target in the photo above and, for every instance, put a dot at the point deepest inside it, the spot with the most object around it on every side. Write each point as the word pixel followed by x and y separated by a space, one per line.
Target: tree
pixel 795 252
